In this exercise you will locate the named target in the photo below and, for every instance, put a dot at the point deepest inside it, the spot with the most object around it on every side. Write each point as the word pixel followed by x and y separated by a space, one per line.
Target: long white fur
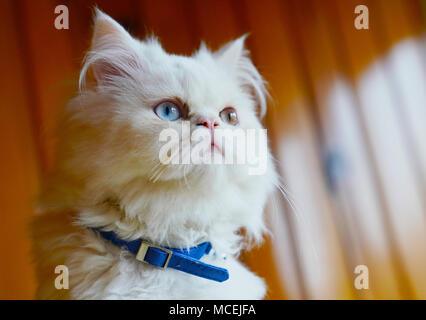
pixel 107 174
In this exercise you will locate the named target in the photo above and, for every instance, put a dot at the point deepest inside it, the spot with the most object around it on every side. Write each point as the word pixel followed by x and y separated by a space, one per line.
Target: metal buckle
pixel 143 249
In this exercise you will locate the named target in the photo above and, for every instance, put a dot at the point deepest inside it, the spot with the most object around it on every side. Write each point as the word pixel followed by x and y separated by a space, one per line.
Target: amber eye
pixel 229 115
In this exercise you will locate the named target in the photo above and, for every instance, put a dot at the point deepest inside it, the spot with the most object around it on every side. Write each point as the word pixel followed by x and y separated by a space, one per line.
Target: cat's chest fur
pixel 100 270
pixel 182 216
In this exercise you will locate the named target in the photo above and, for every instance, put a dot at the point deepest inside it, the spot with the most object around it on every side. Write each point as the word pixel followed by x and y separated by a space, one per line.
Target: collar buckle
pixel 143 249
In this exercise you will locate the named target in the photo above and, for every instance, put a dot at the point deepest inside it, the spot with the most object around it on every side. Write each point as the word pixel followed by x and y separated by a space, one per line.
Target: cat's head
pixel 133 94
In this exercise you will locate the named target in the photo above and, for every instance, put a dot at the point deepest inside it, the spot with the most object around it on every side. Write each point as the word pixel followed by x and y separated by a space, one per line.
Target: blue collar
pixel 186 260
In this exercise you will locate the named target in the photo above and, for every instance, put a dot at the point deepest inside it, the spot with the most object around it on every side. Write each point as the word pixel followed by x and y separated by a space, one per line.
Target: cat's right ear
pixel 236 58
pixel 112 53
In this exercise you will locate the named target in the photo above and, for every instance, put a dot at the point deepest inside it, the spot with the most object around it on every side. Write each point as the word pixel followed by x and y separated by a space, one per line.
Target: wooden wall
pixel 311 54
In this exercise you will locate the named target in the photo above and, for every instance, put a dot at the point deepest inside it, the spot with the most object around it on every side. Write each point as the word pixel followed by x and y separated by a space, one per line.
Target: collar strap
pixel 186 260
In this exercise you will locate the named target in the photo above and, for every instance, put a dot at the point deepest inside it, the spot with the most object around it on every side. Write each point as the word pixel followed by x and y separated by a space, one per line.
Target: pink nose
pixel 207 122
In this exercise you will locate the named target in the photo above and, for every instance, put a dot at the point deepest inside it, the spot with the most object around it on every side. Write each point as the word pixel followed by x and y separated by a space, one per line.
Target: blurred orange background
pixel 344 126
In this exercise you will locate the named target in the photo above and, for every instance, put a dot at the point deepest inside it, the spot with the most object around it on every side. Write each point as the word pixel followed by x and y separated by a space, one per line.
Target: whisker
pixel 164 167
pixel 299 218
pixel 184 169
pixel 288 197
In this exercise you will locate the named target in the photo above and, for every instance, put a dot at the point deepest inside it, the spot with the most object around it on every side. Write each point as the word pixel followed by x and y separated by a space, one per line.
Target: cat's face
pixel 142 96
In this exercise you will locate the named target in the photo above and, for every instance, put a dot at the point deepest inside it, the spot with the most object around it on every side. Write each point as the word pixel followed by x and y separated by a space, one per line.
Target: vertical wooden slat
pixel 19 161
pixel 316 61
pixel 172 22
pixel 398 27
pixel 353 53
pixel 353 41
pixel 313 60
pixel 216 22
pixel 265 51
pixel 48 54
pixel 339 107
pixel 411 235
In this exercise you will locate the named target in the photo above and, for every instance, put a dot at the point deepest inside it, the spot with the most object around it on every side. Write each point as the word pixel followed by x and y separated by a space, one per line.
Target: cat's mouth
pixel 216 148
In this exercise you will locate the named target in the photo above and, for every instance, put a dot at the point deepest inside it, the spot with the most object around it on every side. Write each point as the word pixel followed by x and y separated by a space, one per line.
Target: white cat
pixel 108 174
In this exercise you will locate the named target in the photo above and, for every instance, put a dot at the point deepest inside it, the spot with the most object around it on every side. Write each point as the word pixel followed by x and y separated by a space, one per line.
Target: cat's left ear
pixel 112 53
pixel 235 56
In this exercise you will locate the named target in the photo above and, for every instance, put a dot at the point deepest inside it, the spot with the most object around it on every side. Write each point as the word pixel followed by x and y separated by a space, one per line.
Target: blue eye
pixel 168 111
